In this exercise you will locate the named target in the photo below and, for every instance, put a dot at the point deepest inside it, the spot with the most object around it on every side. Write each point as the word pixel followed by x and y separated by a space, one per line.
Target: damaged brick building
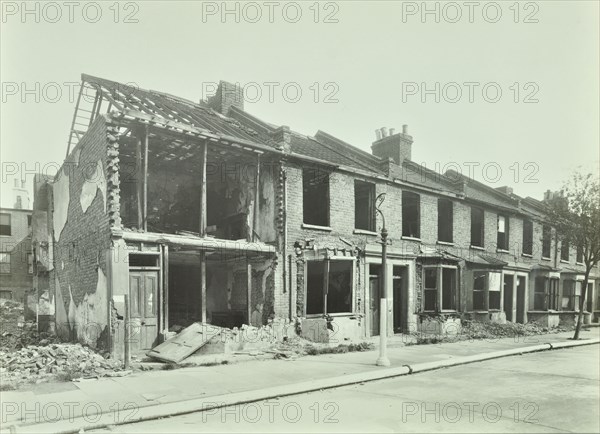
pixel 200 212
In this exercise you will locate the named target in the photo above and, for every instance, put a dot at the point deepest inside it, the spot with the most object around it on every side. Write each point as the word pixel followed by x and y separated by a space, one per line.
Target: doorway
pixel 509 280
pixel 143 296
pixel 374 296
pixel 400 294
pixel 521 299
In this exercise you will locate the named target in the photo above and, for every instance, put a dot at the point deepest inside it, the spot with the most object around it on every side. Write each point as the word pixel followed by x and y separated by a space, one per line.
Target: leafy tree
pixel 576 215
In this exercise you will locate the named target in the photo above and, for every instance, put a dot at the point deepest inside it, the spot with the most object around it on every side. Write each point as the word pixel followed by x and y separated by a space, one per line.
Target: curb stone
pixel 159 411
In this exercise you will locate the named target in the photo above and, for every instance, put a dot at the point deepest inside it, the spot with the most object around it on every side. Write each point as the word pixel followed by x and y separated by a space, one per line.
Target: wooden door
pixel 143 296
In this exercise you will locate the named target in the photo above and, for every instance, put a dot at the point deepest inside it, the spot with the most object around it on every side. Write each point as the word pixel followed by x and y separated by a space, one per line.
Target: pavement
pixel 106 402
pixel 537 392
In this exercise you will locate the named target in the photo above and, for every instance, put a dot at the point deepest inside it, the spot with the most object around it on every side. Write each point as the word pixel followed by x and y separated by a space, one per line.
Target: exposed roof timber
pixel 189 130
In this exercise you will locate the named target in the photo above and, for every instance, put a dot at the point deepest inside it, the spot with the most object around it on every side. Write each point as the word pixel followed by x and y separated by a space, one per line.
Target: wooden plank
pixel 249 296
pixel 184 344
pixel 203 284
pixel 203 153
pixel 166 286
pixel 145 185
pixel 138 165
pixel 325 284
pixel 256 197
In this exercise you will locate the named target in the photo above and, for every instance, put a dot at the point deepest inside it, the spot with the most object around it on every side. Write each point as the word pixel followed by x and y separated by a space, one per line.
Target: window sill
pixel 562 261
pixel 333 315
pixel 527 255
pixel 579 263
pixel 502 251
pixel 316 227
pixel 364 232
pixel 477 247
pixel 546 259
pixel 411 238
pixel 445 243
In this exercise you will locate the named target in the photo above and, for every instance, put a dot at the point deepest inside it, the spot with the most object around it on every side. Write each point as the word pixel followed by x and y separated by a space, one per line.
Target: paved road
pixel 555 391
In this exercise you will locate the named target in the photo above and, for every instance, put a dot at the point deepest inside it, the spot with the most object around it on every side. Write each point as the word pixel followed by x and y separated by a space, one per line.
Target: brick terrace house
pixel 202 212
pixel 16 259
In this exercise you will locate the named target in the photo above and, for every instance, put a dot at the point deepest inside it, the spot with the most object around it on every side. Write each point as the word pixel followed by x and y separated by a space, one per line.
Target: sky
pixel 507 92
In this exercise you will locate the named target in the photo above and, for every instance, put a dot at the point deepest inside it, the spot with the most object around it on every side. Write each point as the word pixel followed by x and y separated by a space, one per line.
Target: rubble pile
pixel 15 332
pixel 53 362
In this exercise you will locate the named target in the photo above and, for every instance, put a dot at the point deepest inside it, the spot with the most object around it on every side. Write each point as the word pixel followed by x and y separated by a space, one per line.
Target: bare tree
pixel 576 215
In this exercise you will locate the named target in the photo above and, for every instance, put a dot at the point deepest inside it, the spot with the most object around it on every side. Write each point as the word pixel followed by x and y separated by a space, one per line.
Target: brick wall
pixel 81 245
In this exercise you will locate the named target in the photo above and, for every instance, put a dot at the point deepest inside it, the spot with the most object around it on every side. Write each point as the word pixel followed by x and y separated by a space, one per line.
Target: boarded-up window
pixel 5 226
pixel 546 241
pixel 527 237
pixel 477 227
pixel 502 239
pixel 411 214
pixel 364 205
pixel 336 277
pixel 315 186
pixel 445 220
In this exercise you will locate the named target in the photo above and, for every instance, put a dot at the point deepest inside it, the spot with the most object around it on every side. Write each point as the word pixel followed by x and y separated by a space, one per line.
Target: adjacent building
pixel 200 212
pixel 16 258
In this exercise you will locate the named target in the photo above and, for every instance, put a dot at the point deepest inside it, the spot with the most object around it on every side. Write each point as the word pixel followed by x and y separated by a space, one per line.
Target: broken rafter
pixel 73 122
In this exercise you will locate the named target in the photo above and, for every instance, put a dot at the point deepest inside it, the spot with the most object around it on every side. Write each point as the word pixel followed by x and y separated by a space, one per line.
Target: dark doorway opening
pixel 508 297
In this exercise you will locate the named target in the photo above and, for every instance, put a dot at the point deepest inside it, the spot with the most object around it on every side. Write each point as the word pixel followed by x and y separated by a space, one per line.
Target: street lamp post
pixel 383 360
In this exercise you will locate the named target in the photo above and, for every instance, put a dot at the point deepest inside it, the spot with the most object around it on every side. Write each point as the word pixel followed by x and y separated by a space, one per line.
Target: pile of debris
pixel 15 332
pixel 62 362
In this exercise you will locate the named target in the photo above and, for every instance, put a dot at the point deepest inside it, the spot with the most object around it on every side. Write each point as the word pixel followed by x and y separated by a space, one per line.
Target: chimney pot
pixel 392 131
pixel 384 131
pixel 378 134
pixel 404 129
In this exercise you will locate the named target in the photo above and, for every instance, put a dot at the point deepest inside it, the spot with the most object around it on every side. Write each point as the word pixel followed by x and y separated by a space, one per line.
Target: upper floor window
pixel 502 239
pixel 445 220
pixel 477 226
pixel 315 187
pixel 527 237
pixel 546 241
pixel 364 205
pixel 579 258
pixel 5 226
pixel 29 220
pixel 411 214
pixel 564 250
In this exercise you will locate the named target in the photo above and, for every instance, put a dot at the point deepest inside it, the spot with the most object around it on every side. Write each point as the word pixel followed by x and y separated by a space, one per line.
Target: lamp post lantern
pixel 383 360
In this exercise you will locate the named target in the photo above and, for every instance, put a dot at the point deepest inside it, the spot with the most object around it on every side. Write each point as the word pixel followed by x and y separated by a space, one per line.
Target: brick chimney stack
pixel 397 146
pixel 227 95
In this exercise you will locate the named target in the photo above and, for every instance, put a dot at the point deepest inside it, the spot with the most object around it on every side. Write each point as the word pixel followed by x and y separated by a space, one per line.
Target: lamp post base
pixel 383 361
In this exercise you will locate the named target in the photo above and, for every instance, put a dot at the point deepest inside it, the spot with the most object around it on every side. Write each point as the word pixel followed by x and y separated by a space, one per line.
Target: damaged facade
pixel 204 213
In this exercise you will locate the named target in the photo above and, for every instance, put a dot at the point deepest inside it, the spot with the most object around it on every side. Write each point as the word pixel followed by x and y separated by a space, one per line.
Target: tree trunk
pixel 581 304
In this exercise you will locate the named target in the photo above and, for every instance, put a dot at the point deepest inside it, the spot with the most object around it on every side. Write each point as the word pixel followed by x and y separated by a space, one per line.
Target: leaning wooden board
pixel 184 344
